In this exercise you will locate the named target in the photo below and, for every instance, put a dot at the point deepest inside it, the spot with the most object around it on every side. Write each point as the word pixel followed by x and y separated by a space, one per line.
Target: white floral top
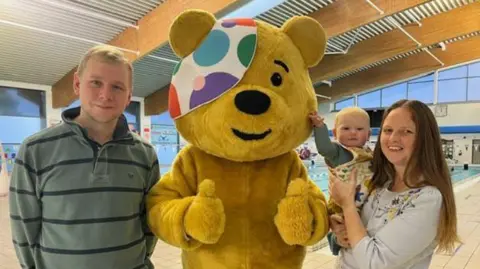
pixel 401 231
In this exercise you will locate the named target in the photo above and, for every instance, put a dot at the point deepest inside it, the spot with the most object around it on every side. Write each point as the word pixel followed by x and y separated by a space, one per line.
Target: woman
pixel 411 208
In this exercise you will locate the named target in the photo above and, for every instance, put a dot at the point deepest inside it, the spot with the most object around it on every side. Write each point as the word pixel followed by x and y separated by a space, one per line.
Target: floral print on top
pixel 396 206
pixel 401 230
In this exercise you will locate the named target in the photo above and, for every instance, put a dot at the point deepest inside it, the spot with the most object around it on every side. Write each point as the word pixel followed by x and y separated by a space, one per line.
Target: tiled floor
pixel 467 255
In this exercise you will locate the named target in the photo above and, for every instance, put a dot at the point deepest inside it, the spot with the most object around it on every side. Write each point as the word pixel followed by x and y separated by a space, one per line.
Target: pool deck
pixel 467 255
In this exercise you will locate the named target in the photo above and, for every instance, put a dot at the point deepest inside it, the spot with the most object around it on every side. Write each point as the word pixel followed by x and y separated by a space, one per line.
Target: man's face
pixel 104 90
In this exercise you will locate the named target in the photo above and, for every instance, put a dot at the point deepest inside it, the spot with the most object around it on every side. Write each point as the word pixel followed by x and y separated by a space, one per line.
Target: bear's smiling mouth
pixel 247 137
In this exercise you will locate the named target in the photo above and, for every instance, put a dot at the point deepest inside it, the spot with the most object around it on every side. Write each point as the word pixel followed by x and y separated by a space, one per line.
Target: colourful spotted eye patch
pixel 216 66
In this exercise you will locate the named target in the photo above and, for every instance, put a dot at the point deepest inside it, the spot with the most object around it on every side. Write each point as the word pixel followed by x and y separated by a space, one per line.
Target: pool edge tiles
pixel 466 183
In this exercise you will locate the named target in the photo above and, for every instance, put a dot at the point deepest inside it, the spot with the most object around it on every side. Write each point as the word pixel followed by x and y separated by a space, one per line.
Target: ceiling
pixel 42 40
pixel 410 16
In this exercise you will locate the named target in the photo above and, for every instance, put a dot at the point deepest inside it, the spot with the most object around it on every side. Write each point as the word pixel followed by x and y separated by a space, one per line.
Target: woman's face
pixel 398 137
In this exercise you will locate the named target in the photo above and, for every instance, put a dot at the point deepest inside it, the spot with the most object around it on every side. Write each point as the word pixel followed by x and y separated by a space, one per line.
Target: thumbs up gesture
pixel 294 219
pixel 205 218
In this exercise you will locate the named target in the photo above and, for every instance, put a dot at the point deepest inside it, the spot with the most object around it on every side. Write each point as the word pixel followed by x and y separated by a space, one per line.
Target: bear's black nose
pixel 252 102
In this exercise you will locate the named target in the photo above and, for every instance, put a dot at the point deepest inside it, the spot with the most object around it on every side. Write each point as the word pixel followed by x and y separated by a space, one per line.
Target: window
pixel 473 87
pixel 344 103
pixel 426 78
pixel 458 84
pixel 24 127
pixel 369 100
pixel 22 113
pixel 22 103
pixel 393 93
pixel 452 85
pixel 452 90
pixel 458 72
pixel 165 138
pixel 421 91
pixel 473 82
pixel 474 70
pixel 132 113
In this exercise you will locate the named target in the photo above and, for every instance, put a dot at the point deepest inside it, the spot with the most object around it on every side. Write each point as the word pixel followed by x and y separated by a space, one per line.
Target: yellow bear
pixel 239 196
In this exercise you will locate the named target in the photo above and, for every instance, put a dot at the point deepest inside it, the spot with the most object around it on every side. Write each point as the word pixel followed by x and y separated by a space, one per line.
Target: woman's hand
pixel 338 228
pixel 343 193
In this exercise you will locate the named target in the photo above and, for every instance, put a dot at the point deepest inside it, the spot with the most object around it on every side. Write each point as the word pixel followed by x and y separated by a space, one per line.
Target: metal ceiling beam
pixel 86 12
pixel 457 22
pixel 346 15
pixel 63 35
pixel 396 24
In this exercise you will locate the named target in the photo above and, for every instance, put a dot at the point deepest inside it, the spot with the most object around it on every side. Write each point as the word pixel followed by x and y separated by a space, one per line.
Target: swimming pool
pixel 319 174
pixel 458 174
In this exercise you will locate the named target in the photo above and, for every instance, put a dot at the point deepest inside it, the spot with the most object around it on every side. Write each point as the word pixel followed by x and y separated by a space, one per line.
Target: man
pixel 78 189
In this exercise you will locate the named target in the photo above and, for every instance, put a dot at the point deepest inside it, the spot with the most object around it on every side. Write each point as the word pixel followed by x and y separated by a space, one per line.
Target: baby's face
pixel 352 130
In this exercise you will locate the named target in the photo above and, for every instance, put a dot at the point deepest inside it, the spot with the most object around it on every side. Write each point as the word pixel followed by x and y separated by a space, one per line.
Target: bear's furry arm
pixel 169 200
pixel 316 200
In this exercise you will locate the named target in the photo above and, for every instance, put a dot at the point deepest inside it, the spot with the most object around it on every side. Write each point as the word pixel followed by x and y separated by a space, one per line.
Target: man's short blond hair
pixel 354 110
pixel 107 54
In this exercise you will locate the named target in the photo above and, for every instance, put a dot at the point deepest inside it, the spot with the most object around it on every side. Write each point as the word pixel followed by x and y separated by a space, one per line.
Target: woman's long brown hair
pixel 426 167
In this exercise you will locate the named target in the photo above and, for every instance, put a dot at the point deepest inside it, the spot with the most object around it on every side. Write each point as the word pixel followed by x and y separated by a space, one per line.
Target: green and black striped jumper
pixel 80 205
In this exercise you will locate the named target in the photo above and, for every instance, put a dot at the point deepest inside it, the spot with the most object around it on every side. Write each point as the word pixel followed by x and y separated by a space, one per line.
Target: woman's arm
pixel 403 238
pixel 343 193
pixel 408 232
pixel 355 229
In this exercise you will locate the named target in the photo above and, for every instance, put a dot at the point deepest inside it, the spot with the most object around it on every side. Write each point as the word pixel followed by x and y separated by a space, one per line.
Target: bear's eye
pixel 276 79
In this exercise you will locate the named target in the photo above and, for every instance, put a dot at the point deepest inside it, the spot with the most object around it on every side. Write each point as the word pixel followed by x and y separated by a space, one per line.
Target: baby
pixel 352 131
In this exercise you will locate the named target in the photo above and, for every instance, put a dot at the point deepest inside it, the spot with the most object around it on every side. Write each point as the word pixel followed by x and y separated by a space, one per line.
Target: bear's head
pixel 242 90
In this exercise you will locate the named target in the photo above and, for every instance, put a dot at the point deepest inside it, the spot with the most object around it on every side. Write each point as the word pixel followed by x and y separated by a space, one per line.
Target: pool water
pixel 458 174
pixel 319 174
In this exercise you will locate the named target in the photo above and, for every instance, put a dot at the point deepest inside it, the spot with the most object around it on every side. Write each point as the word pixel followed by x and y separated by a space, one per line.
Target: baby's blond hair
pixel 354 110
pixel 107 54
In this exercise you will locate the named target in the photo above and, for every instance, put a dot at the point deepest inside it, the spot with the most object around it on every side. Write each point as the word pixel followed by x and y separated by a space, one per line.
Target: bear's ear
pixel 188 30
pixel 309 37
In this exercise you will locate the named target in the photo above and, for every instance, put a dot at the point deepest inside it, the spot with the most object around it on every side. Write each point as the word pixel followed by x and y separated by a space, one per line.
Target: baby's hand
pixel 316 120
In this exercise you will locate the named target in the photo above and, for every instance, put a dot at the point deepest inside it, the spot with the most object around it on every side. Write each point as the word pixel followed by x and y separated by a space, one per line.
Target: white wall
pixel 460 114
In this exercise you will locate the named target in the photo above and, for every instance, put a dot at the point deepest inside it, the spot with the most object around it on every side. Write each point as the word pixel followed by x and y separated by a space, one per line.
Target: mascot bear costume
pixel 238 196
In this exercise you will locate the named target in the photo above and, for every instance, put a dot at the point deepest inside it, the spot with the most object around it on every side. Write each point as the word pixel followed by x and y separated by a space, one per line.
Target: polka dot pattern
pixel 246 49
pixel 173 104
pixel 213 49
pixel 215 85
pixel 228 23
pixel 198 83
pixel 216 66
